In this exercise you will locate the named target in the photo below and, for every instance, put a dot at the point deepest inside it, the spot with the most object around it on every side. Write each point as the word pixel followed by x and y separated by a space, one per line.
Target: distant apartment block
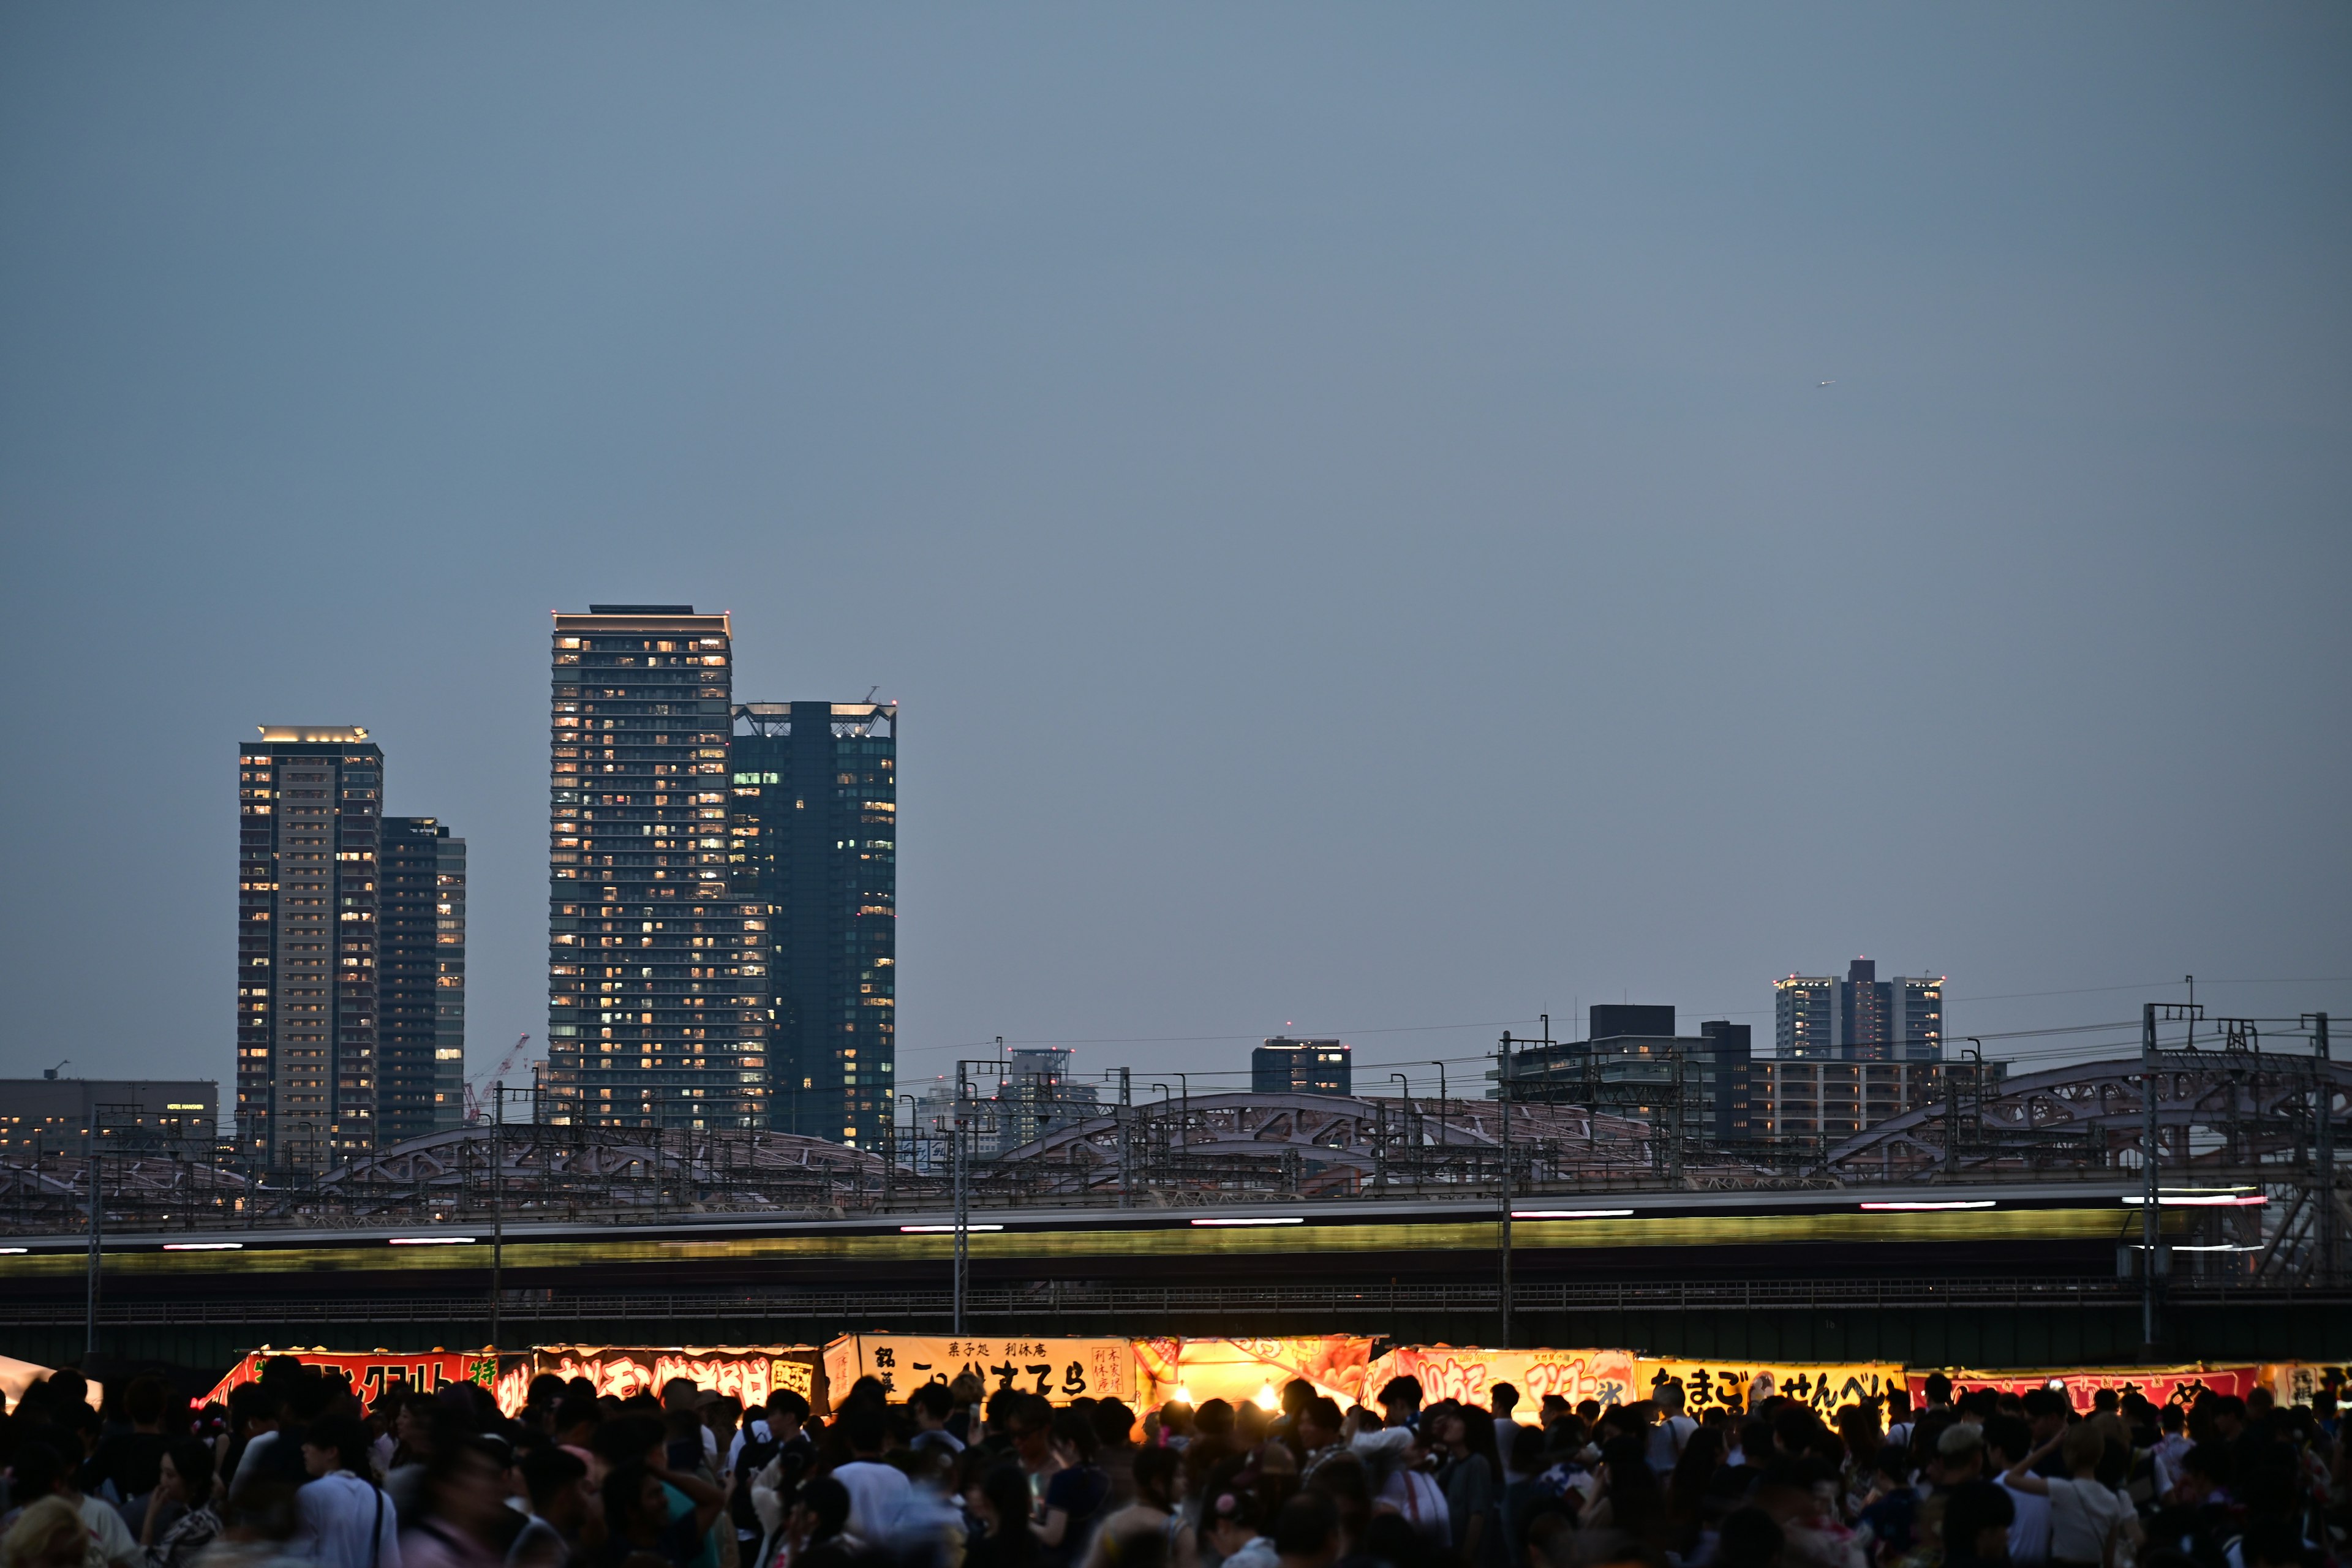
pixel 1860 1018
pixel 177 1118
pixel 1809 1098
pixel 1284 1065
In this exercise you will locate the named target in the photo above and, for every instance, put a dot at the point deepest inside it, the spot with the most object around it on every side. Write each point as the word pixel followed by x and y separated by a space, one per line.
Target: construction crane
pixel 496 1075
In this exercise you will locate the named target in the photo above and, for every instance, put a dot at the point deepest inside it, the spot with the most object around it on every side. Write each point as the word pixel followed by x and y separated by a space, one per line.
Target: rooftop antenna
pixel 872 689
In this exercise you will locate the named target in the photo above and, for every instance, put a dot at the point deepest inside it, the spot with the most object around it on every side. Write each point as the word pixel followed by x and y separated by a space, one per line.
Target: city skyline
pixel 1355 379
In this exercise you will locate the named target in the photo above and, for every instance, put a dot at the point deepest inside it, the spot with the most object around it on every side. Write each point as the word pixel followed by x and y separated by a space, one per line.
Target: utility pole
pixel 1503 1231
pixel 97 1210
pixel 2149 1229
pixel 966 1112
pixel 963 1197
pixel 1126 1139
pixel 2328 1217
pixel 497 1208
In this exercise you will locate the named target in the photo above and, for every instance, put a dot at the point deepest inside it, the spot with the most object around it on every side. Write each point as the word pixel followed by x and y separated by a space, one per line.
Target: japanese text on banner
pixel 1060 1370
pixel 1742 1385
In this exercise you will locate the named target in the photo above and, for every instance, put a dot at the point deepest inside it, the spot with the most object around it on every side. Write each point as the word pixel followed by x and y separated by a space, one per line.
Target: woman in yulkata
pixel 184 1479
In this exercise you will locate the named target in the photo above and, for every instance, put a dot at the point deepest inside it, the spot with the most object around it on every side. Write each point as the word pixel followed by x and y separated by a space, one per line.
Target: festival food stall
pixel 750 1373
pixel 1062 1370
pixel 2160 1384
pixel 1468 1373
pixel 1193 1372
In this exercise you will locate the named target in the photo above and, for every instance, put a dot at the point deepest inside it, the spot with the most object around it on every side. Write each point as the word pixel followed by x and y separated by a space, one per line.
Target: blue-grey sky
pixel 1345 494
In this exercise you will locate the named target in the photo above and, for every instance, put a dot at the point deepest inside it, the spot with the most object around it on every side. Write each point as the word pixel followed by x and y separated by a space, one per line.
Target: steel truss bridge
pixel 1207 1212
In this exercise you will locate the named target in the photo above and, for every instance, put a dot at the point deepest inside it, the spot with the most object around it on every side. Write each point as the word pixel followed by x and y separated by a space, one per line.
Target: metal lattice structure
pixel 2241 1120
pixel 1241 1147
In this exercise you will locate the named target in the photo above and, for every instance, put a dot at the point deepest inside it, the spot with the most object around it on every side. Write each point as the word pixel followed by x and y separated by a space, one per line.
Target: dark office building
pixel 1284 1065
pixel 815 837
pixel 309 805
pixel 1728 1051
pixel 1635 1064
pixel 1608 1020
pixel 421 979
pixel 657 1007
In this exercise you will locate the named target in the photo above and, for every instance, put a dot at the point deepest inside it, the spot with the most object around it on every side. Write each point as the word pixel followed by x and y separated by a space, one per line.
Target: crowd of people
pixel 294 1472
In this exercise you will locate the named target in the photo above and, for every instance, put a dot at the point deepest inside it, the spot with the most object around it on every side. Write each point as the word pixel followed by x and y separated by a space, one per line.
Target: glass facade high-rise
pixel 815 834
pixel 657 1005
pixel 309 810
pixel 1860 1018
pixel 421 979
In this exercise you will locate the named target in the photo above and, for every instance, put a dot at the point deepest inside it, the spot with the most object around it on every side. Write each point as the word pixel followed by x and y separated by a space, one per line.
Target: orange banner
pixel 1197 1370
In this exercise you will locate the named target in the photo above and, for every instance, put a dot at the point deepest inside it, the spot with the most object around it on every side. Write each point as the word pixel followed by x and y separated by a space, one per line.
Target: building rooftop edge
pixel 299 732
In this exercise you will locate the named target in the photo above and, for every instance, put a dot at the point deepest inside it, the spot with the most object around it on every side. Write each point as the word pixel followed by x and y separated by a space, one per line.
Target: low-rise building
pixel 179 1117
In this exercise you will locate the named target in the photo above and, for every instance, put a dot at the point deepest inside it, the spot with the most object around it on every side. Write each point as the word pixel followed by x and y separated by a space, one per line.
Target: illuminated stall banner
pixel 1735 1385
pixel 750 1373
pixel 1467 1373
pixel 1193 1372
pixel 2294 1382
pixel 373 1373
pixel 1062 1370
pixel 2160 1384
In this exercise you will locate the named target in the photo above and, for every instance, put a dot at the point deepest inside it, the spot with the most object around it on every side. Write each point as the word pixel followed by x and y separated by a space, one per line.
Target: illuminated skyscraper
pixel 421 979
pixel 815 837
pixel 658 1009
pixel 309 807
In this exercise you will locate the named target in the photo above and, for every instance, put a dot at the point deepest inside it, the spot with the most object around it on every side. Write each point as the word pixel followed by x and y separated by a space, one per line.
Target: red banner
pixel 373 1373
pixel 750 1373
pixel 2159 1385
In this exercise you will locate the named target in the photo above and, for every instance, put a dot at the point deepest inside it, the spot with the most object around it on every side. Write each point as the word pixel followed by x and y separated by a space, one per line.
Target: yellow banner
pixel 1063 1370
pixel 1733 1384
pixel 1469 1374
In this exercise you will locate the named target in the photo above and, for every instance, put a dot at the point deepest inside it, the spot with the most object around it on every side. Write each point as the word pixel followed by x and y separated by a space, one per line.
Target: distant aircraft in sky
pixel 1829 384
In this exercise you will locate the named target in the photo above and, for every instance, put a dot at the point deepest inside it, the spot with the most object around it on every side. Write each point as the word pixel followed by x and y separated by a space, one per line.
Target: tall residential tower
pixel 421 978
pixel 815 837
pixel 657 1004
pixel 1858 1018
pixel 309 806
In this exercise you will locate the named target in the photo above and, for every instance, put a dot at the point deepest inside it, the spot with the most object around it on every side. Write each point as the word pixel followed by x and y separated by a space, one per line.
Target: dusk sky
pixel 1383 520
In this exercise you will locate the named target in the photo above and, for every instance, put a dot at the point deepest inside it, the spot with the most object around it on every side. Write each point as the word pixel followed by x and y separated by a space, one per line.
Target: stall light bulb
pixel 1265 1398
pixel 1184 1394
